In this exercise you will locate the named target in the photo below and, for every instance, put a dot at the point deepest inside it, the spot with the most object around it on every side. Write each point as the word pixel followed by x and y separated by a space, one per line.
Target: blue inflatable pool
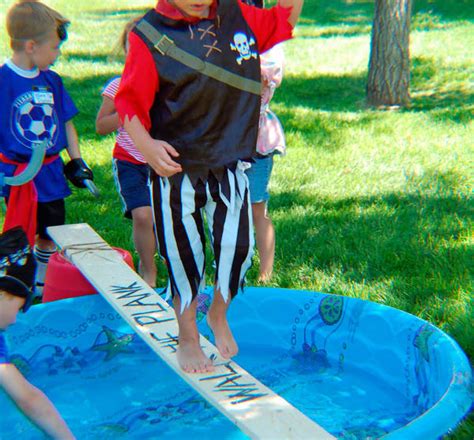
pixel 359 369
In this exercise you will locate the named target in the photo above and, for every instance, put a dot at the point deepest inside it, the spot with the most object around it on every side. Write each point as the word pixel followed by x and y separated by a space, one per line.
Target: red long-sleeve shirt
pixel 140 79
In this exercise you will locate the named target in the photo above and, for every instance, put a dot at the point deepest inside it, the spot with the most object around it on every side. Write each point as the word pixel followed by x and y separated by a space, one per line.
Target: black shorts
pixel 50 214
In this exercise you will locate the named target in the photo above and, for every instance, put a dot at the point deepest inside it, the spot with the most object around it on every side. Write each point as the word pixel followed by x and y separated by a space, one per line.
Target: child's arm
pixel 34 403
pixel 72 141
pixel 76 170
pixel 107 120
pixel 134 99
pixel 296 5
pixel 157 153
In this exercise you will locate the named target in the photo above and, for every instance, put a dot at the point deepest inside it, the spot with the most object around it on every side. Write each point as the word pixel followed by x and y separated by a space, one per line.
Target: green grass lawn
pixel 369 204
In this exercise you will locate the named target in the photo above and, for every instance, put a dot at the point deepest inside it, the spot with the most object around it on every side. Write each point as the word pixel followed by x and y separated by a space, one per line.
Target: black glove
pixel 76 170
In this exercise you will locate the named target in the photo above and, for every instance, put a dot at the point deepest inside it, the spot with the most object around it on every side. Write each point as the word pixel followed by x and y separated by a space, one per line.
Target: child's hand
pixel 76 170
pixel 158 156
pixel 157 153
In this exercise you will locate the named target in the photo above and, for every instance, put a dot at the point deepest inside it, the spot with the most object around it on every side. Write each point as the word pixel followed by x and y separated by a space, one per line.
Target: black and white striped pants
pixel 179 206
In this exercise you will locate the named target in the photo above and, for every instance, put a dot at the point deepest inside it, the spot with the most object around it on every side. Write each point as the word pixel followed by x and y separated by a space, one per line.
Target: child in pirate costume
pixel 17 274
pixel 190 99
pixel 36 108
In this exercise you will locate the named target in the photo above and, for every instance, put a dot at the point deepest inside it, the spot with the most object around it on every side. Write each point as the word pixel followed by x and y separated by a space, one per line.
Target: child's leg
pixel 42 251
pixel 265 238
pixel 131 181
pixel 191 358
pixel 232 241
pixel 217 320
pixel 180 232
pixel 259 178
pixel 49 214
pixel 145 243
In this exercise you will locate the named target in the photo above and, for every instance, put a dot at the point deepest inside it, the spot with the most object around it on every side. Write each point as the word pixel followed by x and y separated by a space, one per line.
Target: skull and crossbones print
pixel 242 45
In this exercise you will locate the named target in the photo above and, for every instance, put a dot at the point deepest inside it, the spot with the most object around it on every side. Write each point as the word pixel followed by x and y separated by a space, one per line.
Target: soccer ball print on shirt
pixel 34 119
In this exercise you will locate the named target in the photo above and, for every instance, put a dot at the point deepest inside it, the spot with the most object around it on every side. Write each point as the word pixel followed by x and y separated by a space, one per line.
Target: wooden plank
pixel 253 407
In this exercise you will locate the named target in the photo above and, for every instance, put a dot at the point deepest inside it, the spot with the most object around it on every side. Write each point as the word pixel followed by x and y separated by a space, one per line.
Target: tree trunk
pixel 389 66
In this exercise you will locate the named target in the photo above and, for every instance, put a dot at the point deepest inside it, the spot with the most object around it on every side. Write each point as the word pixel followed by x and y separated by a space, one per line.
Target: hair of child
pixel 33 20
pixel 126 30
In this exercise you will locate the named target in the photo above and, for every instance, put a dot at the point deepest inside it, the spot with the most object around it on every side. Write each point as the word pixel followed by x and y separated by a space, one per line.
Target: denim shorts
pixel 259 177
pixel 132 185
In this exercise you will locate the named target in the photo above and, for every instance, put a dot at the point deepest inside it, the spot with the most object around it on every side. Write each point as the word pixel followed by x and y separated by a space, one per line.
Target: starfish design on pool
pixel 115 344
pixel 70 360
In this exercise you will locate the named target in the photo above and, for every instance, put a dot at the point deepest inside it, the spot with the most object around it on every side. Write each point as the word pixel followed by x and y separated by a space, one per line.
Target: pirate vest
pixel 210 123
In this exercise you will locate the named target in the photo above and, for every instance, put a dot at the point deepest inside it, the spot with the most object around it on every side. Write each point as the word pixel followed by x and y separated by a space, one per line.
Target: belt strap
pixel 167 47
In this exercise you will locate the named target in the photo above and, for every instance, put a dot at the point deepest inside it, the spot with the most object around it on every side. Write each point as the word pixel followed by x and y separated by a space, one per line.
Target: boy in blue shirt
pixel 17 273
pixel 35 107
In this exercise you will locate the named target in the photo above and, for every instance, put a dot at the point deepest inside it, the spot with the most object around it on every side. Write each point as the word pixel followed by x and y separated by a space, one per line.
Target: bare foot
pixel 225 341
pixel 192 359
pixel 264 277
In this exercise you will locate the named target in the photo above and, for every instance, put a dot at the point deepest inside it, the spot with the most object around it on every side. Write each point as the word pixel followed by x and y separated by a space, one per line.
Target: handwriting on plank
pixel 157 313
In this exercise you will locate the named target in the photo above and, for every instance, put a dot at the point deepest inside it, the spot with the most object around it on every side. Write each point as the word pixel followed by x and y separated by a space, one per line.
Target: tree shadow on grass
pixel 347 13
pixel 413 243
pixel 447 10
pixel 339 18
pixel 336 12
pixel 443 91
pixel 323 92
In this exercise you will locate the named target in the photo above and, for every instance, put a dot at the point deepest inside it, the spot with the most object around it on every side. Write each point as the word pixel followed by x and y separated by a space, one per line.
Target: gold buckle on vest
pixel 164 44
